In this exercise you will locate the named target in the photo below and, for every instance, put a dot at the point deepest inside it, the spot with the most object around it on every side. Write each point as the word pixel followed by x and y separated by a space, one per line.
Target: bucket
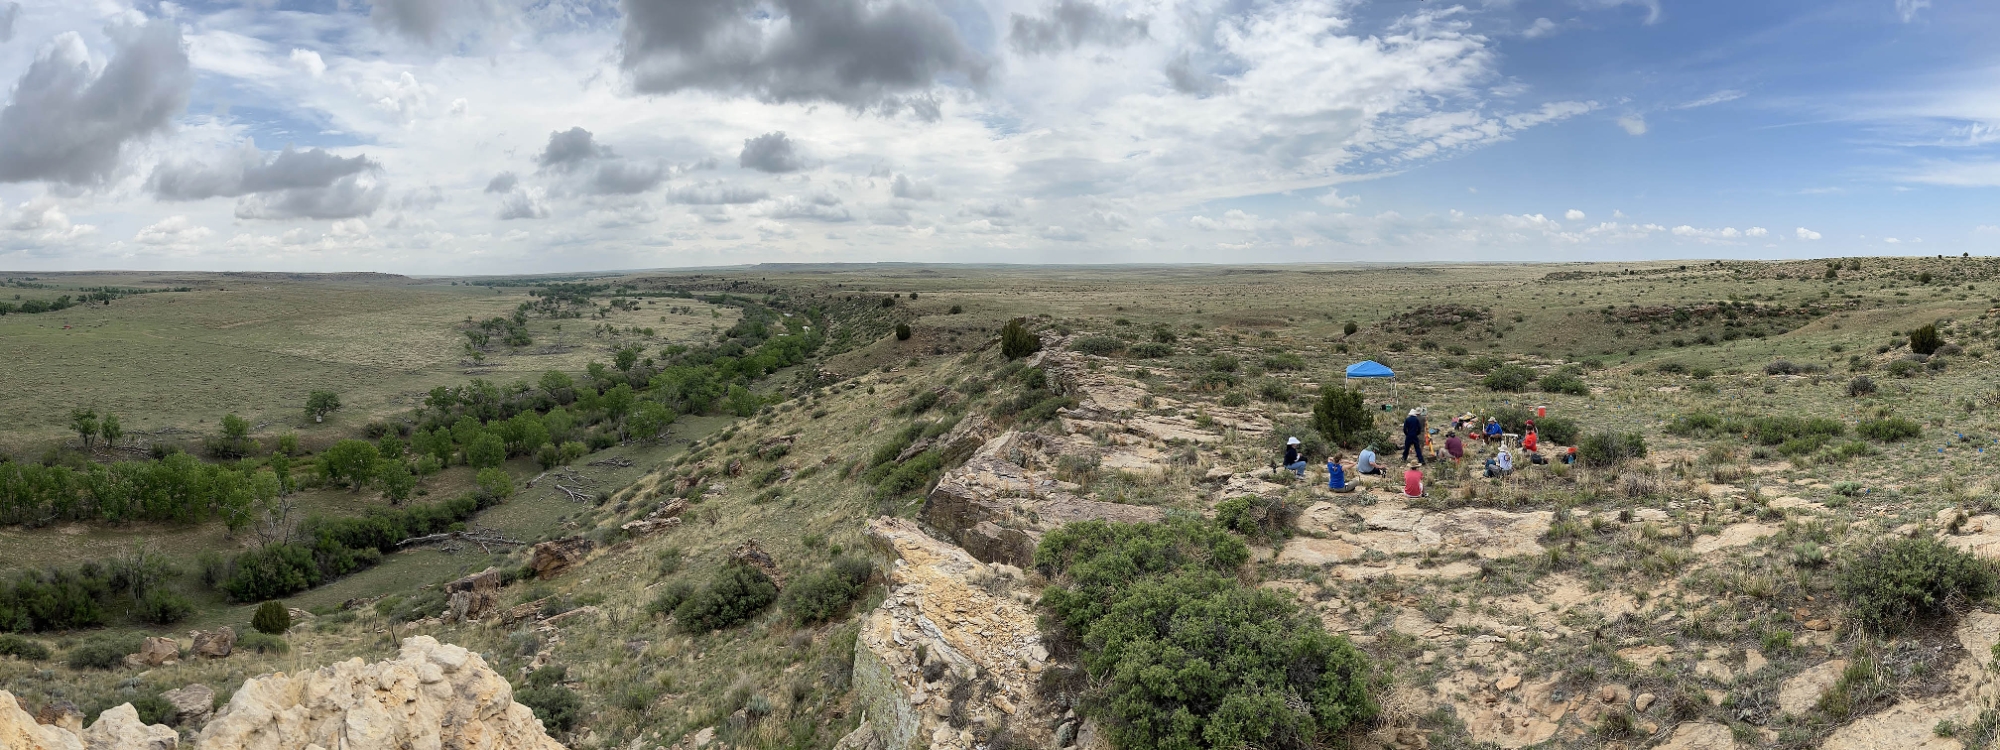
pixel 1541 411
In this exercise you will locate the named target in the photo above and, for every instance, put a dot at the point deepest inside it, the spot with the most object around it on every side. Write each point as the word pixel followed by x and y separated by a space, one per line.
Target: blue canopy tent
pixel 1373 370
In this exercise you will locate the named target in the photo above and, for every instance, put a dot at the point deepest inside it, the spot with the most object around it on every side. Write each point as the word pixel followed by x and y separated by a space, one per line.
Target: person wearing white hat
pixel 1293 460
pixel 1413 435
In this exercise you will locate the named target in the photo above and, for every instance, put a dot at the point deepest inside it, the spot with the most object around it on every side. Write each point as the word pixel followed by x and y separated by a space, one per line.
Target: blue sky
pixel 462 136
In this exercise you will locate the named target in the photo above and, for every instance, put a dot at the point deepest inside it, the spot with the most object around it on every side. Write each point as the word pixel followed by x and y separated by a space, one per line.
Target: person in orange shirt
pixel 1529 442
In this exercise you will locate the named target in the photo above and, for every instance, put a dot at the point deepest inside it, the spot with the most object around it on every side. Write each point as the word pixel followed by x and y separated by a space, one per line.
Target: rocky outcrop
pixel 666 516
pixel 192 704
pixel 748 553
pixel 1394 533
pixel 430 696
pixel 214 644
pixel 473 596
pixel 551 559
pixel 998 509
pixel 950 658
pixel 154 652
pixel 116 729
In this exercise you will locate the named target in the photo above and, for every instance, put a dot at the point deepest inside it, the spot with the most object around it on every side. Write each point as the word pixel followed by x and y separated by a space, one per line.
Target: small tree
pixel 902 332
pixel 1350 328
pixel 272 618
pixel 1341 415
pixel 395 480
pixel 495 483
pixel 84 422
pixel 485 451
pixel 1926 340
pixel 235 427
pixel 350 461
pixel 321 403
pixel 626 358
pixel 1016 341
pixel 110 430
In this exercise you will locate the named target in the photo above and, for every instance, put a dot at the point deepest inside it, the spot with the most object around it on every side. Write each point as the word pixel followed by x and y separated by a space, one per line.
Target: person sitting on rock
pixel 1530 442
pixel 1366 463
pixel 1413 481
pixel 1336 475
pixel 1493 431
pixel 1293 460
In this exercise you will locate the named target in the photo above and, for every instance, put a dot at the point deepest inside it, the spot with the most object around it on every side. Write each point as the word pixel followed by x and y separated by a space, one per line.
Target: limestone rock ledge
pixel 997 508
pixel 430 695
pixel 950 659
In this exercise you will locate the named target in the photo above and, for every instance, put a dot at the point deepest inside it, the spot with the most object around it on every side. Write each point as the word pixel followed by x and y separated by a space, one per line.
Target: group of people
pixel 1417 440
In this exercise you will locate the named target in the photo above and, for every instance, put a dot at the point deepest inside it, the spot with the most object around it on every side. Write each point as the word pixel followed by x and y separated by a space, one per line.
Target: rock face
pixel 214 644
pixel 666 516
pixel 998 509
pixel 429 696
pixel 551 559
pixel 156 652
pixel 946 661
pixel 192 704
pixel 116 729
pixel 473 596
pixel 1394 530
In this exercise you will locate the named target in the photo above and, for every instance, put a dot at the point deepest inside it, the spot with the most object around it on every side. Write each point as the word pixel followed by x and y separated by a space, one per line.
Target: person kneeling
pixel 1336 475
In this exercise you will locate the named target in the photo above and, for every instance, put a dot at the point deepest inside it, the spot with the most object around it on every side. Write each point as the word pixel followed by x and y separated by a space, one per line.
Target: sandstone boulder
pixel 551 559
pixel 214 644
pixel 475 595
pixel 192 704
pixel 116 729
pixel 431 695
pixel 945 660
pixel 155 652
pixel 61 714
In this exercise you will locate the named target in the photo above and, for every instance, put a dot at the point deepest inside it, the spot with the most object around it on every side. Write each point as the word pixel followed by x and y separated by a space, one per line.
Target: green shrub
pixel 1562 382
pixel 1100 345
pixel 1341 416
pixel 101 653
pixel 1016 341
pixel 1610 448
pixel 1259 519
pixel 1284 361
pixel 902 332
pixel 1889 429
pixel 154 709
pixel 1150 350
pixel 1903 581
pixel 911 476
pixel 826 593
pixel 16 646
pixel 162 607
pixel 1509 378
pixel 1904 368
pixel 738 593
pixel 558 707
pixel 263 643
pixel 1182 655
pixel 1861 386
pixel 1482 364
pixel 670 598
pixel 494 484
pixel 271 617
pixel 1925 340
pixel 1557 430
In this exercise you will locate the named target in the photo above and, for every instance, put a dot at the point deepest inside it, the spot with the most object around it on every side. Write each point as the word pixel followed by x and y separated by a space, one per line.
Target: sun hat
pixel 1292 441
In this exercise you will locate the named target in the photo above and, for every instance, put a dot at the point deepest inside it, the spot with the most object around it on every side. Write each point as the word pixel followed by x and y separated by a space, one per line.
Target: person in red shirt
pixel 1529 441
pixel 1413 481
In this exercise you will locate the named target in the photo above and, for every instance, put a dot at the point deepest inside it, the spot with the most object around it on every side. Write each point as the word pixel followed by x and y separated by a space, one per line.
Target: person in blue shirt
pixel 1413 435
pixel 1336 475
pixel 1366 462
pixel 1293 460
pixel 1493 431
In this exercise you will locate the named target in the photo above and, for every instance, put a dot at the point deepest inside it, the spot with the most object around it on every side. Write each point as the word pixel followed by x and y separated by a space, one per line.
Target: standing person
pixel 1366 463
pixel 1454 447
pixel 1293 460
pixel 1336 476
pixel 1413 481
pixel 1413 435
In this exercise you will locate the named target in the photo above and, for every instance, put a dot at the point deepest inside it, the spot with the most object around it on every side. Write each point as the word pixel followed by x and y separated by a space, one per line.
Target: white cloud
pixel 1652 7
pixel 1540 28
pixel 1573 215
pixel 1333 199
pixel 1633 124
pixel 1807 234
pixel 1757 232
pixel 1907 9
pixel 308 61
pixel 1725 95
pixel 173 230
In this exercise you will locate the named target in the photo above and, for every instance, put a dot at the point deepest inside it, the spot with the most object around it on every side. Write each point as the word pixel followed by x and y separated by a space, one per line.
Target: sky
pixel 446 137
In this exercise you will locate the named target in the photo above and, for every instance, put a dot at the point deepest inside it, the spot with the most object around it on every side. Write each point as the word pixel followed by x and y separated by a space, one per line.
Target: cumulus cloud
pixel 503 183
pixel 714 194
pixel 308 61
pixel 864 54
pixel 576 151
pixel 173 230
pixel 1333 199
pixel 1807 234
pixel 1183 77
pixel 1573 215
pixel 569 148
pixel 521 203
pixel 430 21
pixel 310 184
pixel 9 13
pixel 1069 24
pixel 1540 28
pixel 1757 232
pixel 820 207
pixel 916 190
pixel 626 178
pixel 67 125
pixel 1633 124
pixel 771 152
pixel 44 219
